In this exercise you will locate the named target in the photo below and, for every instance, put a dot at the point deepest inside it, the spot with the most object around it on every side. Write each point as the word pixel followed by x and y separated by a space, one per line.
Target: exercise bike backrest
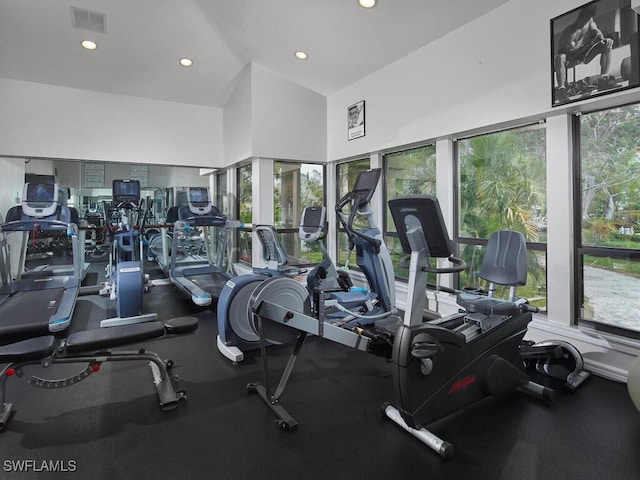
pixel 505 261
pixel 273 252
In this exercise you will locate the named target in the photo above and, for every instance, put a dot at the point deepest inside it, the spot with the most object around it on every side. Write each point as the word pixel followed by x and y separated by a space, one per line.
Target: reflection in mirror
pixel 87 187
pixel 89 183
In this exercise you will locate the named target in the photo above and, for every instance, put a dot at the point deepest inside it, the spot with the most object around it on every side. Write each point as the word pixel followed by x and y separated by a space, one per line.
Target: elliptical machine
pixel 331 295
pixel 126 281
pixel 235 334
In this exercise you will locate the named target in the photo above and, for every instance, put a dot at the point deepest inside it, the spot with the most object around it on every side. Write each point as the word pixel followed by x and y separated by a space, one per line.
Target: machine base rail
pixel 441 447
pixel 285 421
pixel 168 396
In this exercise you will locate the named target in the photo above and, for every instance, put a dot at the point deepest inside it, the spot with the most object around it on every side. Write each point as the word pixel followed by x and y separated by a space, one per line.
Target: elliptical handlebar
pixel 357 199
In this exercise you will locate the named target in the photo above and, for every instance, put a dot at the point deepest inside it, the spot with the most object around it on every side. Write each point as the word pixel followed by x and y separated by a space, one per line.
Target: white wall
pixel 38 120
pixel 493 70
pixel 12 181
pixel 491 73
pixel 289 121
pixel 237 126
pixel 268 116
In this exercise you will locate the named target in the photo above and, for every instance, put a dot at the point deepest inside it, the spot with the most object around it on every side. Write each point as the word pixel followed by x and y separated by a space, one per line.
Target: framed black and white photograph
pixel 594 51
pixel 355 120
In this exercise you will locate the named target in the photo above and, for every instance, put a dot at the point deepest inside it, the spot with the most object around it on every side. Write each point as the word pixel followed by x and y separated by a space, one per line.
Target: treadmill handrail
pixel 205 220
pixel 41 224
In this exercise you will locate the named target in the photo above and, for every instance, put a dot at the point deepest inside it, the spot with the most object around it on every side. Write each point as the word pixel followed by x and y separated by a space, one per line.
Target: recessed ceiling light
pixel 186 62
pixel 89 45
pixel 367 3
pixel 300 55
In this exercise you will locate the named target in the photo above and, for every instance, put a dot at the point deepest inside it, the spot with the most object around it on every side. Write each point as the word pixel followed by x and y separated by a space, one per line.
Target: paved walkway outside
pixel 613 296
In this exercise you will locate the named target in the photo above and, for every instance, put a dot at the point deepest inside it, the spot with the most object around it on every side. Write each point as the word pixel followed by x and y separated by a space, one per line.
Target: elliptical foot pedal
pixel 181 325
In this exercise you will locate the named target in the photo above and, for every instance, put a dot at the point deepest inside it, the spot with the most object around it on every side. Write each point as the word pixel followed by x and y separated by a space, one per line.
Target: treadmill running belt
pixel 212 283
pixel 28 312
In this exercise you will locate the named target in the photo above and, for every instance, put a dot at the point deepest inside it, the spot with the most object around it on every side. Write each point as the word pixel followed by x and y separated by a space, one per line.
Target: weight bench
pixel 92 347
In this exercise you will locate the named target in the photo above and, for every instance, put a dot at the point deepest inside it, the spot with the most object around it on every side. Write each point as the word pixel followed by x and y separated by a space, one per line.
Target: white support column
pixel 560 241
pixel 232 192
pixel 262 202
pixel 377 204
pixel 444 191
pixel 331 187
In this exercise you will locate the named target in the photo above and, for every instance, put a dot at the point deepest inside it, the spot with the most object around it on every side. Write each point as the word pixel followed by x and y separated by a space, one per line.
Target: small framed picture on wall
pixel 355 120
pixel 594 51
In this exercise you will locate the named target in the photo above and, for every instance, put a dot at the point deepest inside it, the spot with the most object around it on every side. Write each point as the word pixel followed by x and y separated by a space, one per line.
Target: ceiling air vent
pixel 88 20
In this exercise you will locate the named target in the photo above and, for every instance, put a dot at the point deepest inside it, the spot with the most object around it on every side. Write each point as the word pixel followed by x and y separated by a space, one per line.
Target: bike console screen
pixel 312 223
pixel 425 210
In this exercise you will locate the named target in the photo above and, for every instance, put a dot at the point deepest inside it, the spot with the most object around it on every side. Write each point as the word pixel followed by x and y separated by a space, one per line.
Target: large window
pixel 409 172
pixel 346 174
pixel 222 195
pixel 245 212
pixel 502 186
pixel 296 186
pixel 609 218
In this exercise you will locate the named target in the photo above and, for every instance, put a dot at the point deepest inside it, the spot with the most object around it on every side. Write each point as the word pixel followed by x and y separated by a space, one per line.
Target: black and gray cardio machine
pixel 37 304
pixel 125 273
pixel 201 277
pixel 440 366
pixel 44 263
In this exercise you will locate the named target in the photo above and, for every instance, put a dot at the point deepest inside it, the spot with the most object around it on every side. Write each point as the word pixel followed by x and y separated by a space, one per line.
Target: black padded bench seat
pixel 30 349
pixel 98 338
pixel 94 339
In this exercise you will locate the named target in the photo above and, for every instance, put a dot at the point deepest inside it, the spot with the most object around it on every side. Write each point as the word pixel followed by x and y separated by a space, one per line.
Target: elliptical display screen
pixel 126 191
pixel 366 183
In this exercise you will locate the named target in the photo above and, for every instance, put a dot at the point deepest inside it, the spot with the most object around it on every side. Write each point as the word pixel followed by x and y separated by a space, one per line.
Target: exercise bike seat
pixel 475 303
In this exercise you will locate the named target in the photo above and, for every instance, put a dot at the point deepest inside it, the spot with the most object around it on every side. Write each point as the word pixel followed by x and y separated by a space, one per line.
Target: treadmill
pixel 46 264
pixel 44 303
pixel 199 273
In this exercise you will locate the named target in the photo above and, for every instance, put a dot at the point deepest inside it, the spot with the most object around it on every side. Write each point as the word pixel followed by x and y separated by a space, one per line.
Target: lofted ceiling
pixel 138 53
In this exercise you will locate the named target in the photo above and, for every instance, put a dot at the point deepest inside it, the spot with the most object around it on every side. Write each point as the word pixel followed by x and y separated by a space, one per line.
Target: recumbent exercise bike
pixel 440 366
